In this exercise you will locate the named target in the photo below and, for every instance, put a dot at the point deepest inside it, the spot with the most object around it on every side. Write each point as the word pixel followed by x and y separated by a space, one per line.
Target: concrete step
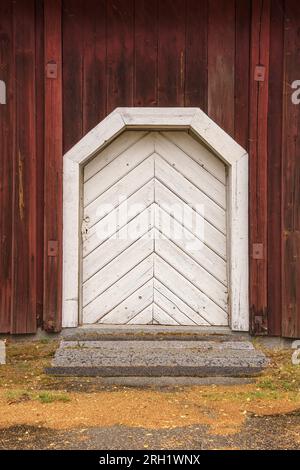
pixel 157 359
pixel 151 333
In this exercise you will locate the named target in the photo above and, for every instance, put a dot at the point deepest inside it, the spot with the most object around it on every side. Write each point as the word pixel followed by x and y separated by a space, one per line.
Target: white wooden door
pixel 154 233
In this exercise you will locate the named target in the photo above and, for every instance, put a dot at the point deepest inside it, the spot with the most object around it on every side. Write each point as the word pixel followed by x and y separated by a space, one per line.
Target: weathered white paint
pixel 186 239
pixel 121 166
pixel 215 239
pixel 122 289
pixel 197 275
pixel 172 179
pixel 164 298
pixel 239 261
pixel 94 286
pixel 191 170
pixel 216 140
pixel 111 257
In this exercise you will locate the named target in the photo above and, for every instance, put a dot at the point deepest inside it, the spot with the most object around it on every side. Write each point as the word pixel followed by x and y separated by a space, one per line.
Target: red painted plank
pixel 258 132
pixel 242 68
pixel 120 40
pixel 171 52
pixel 6 138
pixel 24 188
pixel 53 168
pixel 196 54
pixel 145 53
pixel 93 24
pixel 274 168
pixel 291 176
pixel 39 81
pixel 72 43
pixel 221 47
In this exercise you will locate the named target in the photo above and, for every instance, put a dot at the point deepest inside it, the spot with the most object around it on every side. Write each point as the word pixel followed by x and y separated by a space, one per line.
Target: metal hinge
pixel 259 73
pixel 51 69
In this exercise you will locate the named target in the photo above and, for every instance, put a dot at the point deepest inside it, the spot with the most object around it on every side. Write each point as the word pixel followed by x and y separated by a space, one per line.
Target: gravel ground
pixel 263 432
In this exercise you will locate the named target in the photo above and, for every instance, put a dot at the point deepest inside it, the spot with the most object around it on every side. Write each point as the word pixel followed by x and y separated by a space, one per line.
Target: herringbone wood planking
pixel 164 262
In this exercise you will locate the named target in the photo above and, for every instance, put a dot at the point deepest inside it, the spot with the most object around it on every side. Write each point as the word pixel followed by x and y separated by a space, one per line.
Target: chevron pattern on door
pixel 154 232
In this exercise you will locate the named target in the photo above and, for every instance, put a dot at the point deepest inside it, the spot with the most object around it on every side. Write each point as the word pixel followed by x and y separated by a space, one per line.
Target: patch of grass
pixel 31 350
pixel 264 395
pixel 26 361
pixel 288 386
pixel 243 395
pixel 267 383
pixel 18 396
pixel 281 375
pixel 50 397
pixel 46 340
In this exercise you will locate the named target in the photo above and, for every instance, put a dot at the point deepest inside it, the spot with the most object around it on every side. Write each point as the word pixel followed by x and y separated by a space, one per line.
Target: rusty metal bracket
pixel 259 73
pixel 51 70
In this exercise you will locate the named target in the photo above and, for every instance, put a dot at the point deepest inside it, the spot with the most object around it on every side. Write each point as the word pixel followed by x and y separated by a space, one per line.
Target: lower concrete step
pixel 157 359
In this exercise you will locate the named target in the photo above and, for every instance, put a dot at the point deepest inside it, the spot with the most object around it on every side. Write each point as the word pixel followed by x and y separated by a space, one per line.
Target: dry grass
pixel 25 364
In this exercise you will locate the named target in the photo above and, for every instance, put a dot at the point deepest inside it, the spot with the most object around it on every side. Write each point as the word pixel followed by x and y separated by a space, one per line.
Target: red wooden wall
pixel 109 53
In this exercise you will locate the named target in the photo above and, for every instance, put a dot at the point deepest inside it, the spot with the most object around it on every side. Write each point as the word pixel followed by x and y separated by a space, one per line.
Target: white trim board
pixel 220 143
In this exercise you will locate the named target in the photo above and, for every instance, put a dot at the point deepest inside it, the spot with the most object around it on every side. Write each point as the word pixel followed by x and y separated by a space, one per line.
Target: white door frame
pixel 217 140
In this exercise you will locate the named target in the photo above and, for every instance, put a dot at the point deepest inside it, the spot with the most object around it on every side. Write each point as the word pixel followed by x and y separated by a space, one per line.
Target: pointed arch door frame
pixel 217 140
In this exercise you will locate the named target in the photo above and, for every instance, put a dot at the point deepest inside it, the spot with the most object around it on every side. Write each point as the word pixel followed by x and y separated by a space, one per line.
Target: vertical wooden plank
pixel 39 82
pixel 145 53
pixel 260 30
pixel 93 24
pixel 196 54
pixel 6 139
pixel 291 176
pixel 221 55
pixel 120 38
pixel 171 52
pixel 24 190
pixel 242 69
pixel 53 169
pixel 72 72
pixel 274 168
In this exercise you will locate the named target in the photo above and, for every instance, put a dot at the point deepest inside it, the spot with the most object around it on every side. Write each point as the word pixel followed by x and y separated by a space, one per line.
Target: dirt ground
pixel 43 412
